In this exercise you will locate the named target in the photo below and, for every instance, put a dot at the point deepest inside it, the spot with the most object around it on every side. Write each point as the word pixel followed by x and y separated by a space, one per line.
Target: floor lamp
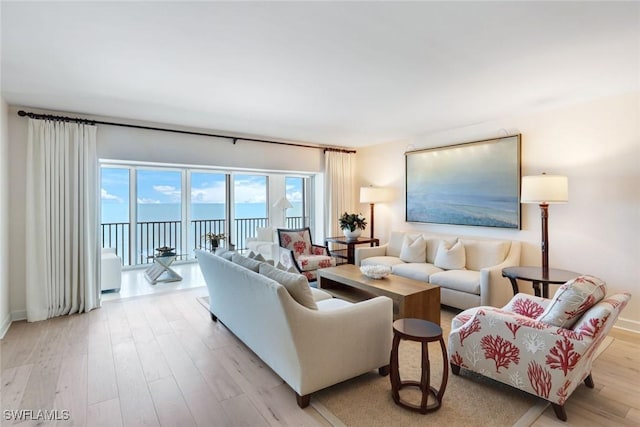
pixel 283 204
pixel 544 190
pixel 373 195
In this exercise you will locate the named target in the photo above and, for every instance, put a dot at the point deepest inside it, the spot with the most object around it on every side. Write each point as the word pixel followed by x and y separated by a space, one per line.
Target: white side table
pixel 160 270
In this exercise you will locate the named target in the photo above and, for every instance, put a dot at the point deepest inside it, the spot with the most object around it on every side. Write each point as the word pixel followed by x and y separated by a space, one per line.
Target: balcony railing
pixel 154 234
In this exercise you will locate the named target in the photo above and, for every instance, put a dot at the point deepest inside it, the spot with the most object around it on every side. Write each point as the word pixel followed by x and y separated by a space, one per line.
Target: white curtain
pixel 62 246
pixel 339 181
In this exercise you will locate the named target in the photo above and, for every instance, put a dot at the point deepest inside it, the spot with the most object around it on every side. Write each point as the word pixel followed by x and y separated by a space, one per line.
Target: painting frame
pixel 473 184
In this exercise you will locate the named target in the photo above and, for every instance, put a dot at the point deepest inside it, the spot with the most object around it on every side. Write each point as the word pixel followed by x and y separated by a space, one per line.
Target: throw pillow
pixel 283 267
pixel 450 257
pixel 224 253
pixel 414 249
pixel 572 299
pixel 249 263
pixel 296 284
pixel 259 257
pixel 484 253
pixel 251 255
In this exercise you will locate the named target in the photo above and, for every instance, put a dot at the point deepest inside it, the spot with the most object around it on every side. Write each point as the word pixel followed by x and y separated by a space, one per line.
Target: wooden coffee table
pixel 411 298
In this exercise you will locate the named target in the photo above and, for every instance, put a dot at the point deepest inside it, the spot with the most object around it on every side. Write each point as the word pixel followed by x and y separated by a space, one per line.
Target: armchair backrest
pixel 297 240
pixel 596 322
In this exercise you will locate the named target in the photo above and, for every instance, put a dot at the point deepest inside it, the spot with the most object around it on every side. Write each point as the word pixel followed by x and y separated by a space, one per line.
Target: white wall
pixel 5 315
pixel 596 144
pixel 120 143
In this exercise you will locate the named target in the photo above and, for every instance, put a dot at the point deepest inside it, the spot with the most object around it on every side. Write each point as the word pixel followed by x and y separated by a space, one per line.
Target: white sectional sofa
pixel 467 269
pixel 310 349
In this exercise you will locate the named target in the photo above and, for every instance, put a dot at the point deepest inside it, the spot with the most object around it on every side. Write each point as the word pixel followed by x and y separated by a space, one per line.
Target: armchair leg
pixel 455 369
pixel 303 401
pixel 560 412
pixel 383 370
pixel 589 381
pixel 214 317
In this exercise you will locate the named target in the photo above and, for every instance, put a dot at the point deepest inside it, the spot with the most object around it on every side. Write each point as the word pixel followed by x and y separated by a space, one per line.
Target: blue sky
pixel 156 186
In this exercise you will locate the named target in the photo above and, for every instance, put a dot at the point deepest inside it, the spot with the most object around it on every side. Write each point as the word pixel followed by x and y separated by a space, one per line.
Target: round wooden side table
pixel 423 332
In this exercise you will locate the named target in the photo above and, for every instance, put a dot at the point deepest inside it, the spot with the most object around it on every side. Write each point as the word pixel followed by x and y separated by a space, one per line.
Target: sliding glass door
pixel 144 208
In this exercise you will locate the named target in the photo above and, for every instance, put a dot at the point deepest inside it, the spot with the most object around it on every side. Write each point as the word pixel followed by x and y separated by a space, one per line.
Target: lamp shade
pixel 282 203
pixel 544 189
pixel 375 195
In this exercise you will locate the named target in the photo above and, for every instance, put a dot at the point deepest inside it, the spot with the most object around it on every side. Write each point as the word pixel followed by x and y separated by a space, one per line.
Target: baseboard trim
pixel 4 325
pixel 18 315
pixel 628 325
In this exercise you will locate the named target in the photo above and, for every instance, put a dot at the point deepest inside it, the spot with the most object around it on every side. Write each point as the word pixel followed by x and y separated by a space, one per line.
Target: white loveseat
pixel 476 281
pixel 309 349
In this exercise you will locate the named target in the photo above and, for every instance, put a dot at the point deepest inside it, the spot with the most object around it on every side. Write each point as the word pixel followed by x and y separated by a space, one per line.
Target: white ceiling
pixel 338 73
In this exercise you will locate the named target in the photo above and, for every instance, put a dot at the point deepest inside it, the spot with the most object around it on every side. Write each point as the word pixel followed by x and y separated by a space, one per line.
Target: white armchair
pixel 110 270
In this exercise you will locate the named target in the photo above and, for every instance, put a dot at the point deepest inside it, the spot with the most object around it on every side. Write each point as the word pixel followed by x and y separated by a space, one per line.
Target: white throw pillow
pixel 450 258
pixel 249 263
pixel 296 284
pixel 283 267
pixel 414 249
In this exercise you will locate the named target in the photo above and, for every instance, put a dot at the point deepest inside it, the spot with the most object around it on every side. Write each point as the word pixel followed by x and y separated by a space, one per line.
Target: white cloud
pixel 250 191
pixel 168 190
pixel 294 196
pixel 144 200
pixel 105 195
pixel 214 194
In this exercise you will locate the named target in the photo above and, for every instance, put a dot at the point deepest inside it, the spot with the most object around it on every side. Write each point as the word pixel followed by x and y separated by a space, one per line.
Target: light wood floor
pixel 160 360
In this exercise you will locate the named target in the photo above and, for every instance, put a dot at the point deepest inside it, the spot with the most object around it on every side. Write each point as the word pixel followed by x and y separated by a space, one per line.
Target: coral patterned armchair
pixel 541 346
pixel 302 254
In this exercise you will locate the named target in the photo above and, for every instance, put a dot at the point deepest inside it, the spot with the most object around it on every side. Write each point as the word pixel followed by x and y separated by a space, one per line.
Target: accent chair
pixel 298 251
pixel 544 347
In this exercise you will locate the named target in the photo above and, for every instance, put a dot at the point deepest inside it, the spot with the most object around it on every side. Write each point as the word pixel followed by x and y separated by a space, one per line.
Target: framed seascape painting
pixel 477 183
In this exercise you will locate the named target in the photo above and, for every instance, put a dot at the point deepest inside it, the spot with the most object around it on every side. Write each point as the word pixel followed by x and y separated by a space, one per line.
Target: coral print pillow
pixel 572 299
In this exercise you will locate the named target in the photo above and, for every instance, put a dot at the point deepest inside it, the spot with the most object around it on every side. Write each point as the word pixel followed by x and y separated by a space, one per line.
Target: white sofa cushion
pixel 395 243
pixel 459 280
pixel 481 254
pixel 450 257
pixel 246 262
pixel 414 249
pixel 417 271
pixel 332 304
pixel 296 284
pixel 382 260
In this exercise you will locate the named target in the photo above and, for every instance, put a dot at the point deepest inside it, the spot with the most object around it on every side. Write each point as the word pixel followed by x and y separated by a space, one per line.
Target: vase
pixel 352 235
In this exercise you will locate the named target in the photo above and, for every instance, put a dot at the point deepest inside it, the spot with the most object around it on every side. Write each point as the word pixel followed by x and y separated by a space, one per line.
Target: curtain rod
pixel 235 139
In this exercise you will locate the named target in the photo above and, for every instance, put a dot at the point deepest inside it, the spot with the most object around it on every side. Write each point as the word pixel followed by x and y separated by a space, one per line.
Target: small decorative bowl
pixel 376 271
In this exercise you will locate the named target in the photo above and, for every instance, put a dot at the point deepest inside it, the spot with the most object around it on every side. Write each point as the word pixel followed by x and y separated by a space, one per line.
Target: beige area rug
pixel 469 400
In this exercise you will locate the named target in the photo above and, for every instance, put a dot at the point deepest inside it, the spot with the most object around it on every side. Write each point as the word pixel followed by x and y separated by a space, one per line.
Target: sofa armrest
pixel 368 252
pixel 496 290
pixel 338 344
pixel 320 250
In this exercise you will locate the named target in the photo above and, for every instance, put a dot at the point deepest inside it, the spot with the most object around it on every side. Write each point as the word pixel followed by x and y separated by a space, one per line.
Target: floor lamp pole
pixel 544 244
pixel 371 215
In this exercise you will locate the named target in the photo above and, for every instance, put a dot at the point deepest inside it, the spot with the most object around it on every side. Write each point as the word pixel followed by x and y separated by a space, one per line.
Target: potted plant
pixel 352 225
pixel 213 239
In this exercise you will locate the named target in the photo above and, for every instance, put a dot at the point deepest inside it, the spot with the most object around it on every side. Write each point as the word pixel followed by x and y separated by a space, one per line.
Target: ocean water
pixel 149 212
pixel 487 211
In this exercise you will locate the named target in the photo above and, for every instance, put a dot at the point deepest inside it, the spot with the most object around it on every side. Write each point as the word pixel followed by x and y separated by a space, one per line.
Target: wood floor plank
pixel 136 404
pixel 221 383
pixel 185 372
pixel 206 410
pixel 14 383
pixel 71 391
pixel 104 414
pixel 170 405
pixel 101 373
pixel 241 412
